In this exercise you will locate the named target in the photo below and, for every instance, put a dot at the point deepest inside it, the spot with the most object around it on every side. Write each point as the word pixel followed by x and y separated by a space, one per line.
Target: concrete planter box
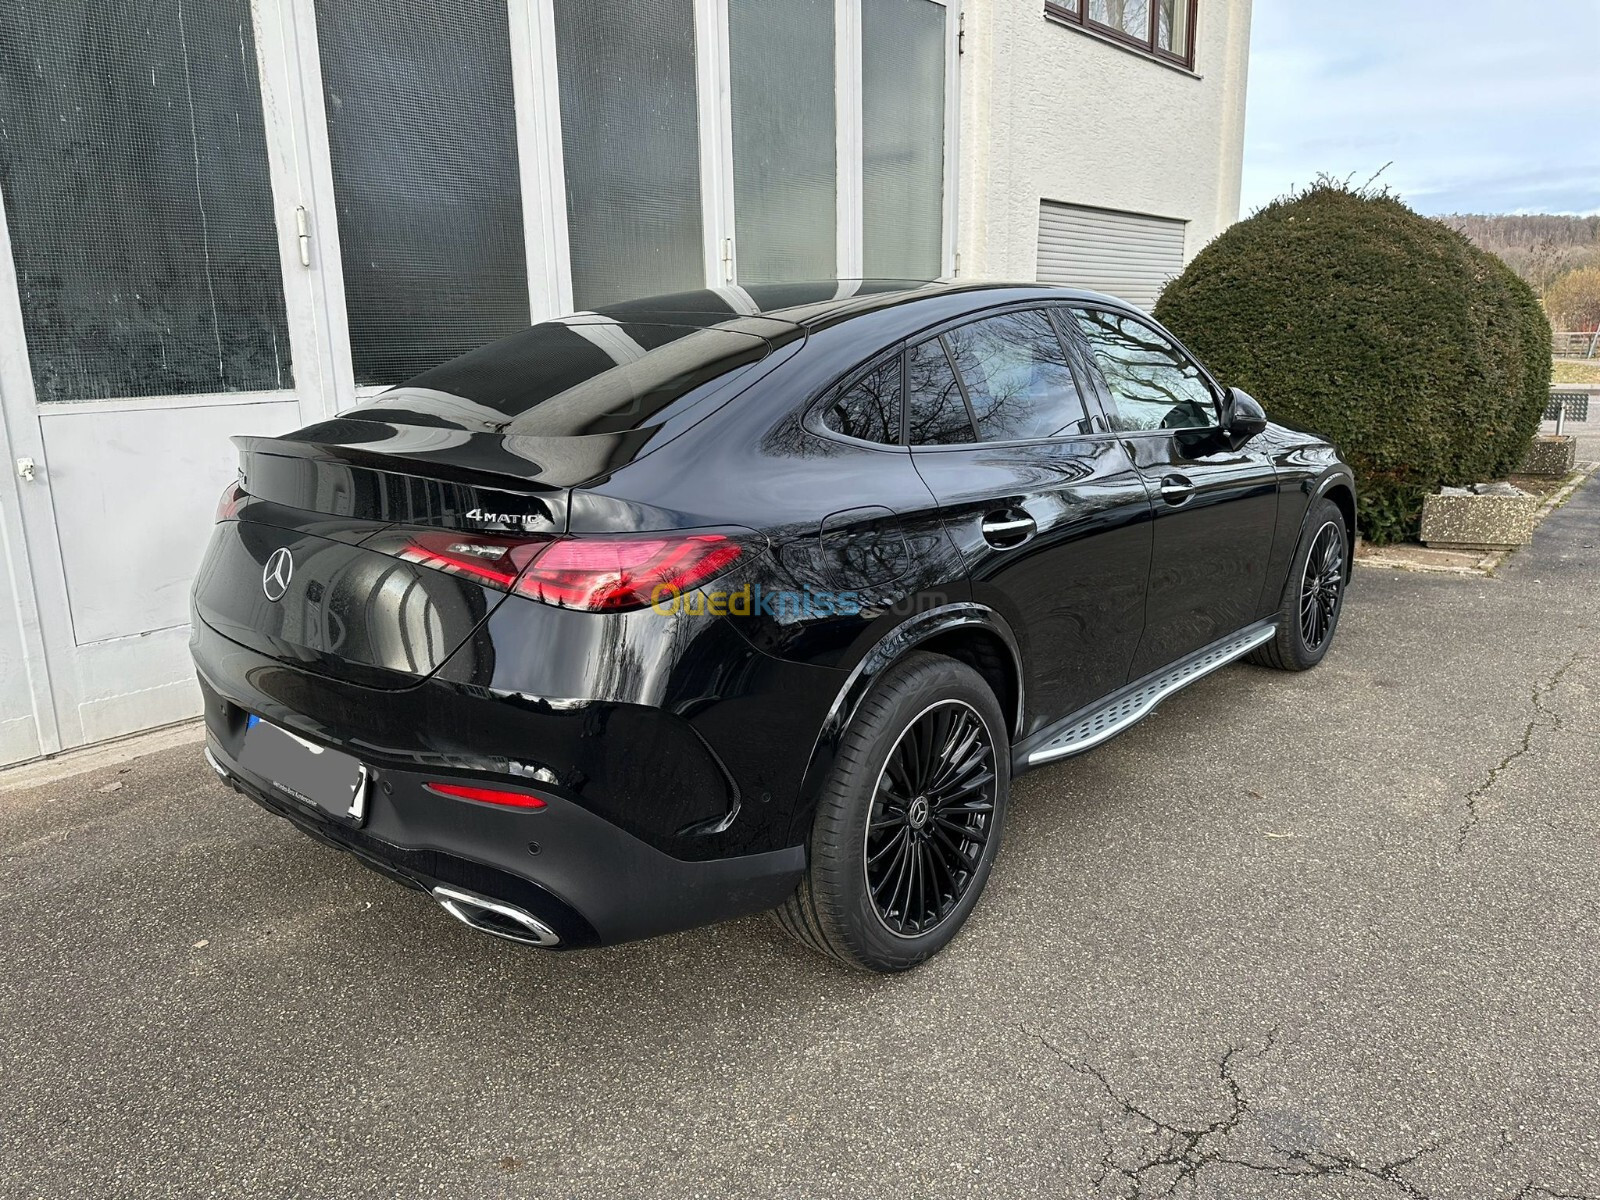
pixel 1556 456
pixel 1469 522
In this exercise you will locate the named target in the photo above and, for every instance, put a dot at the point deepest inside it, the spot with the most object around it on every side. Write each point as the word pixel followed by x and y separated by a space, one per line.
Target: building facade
pixel 243 216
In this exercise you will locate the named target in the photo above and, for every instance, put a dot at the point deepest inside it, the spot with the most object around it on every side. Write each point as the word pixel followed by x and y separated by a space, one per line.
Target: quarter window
pixel 1017 378
pixel 938 414
pixel 869 408
pixel 1154 384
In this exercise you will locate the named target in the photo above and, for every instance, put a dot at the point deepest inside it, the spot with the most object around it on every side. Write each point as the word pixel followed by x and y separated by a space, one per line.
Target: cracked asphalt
pixel 1326 935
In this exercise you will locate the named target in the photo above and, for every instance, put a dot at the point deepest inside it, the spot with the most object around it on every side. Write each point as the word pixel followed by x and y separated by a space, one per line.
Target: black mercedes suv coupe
pixel 746 599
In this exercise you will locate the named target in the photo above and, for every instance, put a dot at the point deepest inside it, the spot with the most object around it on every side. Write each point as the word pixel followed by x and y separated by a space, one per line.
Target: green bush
pixel 1424 359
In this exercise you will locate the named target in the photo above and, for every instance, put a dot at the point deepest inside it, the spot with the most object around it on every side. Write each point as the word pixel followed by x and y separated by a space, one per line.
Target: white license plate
pixel 316 775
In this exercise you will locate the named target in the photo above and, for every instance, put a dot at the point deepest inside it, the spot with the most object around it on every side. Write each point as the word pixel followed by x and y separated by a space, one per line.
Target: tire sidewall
pixel 916 683
pixel 1323 513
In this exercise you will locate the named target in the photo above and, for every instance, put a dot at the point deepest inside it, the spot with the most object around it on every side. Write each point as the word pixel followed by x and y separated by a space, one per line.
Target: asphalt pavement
pixel 1324 935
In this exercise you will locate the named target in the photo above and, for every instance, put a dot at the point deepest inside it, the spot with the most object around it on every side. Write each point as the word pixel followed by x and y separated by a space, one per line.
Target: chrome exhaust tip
pixel 215 765
pixel 495 917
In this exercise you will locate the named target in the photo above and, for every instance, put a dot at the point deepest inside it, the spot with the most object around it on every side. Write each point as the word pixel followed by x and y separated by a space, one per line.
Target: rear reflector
pixel 486 795
pixel 601 573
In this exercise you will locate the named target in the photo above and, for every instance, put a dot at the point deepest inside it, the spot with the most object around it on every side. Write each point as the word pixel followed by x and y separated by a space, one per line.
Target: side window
pixel 869 407
pixel 1154 384
pixel 938 414
pixel 1017 378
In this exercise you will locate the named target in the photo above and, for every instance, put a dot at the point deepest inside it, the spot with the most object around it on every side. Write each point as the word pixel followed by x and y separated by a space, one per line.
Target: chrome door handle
pixel 1004 530
pixel 1175 489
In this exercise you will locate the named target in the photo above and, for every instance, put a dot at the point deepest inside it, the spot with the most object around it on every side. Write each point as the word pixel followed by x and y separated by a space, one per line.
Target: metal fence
pixel 1577 344
pixel 1576 404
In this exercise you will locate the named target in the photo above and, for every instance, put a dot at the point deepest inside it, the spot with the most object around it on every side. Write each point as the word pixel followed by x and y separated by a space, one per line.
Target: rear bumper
pixel 582 876
pixel 586 876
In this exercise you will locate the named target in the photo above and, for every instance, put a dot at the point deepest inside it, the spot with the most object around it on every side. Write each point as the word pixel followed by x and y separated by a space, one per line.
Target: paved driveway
pixel 1329 935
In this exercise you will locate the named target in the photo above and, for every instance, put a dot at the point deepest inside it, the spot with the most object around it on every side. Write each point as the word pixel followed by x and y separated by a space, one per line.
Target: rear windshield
pixel 584 375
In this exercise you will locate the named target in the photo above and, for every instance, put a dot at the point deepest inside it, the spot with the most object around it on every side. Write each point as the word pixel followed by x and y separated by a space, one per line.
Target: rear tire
pixel 909 820
pixel 1313 594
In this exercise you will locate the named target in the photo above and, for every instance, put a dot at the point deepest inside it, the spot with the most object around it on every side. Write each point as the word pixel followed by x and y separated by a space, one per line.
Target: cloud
pixel 1479 106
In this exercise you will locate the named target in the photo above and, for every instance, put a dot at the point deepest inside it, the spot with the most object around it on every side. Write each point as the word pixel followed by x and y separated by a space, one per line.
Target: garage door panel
pixel 134 496
pixel 1127 255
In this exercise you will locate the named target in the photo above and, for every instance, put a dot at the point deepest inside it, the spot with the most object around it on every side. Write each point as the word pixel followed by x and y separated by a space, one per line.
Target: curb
pixel 1487 563
pixel 36 772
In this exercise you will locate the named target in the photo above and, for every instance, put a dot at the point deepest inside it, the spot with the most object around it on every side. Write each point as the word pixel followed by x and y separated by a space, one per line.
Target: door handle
pixel 1007 529
pixel 25 469
pixel 1175 489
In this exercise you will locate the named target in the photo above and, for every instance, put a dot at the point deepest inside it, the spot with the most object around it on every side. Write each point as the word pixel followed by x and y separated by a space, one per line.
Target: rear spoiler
pixel 403 488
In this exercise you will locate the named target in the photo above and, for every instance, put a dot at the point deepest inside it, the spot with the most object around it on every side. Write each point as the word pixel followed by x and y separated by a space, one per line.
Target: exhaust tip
pixel 495 917
pixel 215 765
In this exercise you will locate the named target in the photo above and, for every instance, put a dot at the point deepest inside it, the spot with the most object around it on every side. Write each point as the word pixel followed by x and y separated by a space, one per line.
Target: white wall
pixel 1051 113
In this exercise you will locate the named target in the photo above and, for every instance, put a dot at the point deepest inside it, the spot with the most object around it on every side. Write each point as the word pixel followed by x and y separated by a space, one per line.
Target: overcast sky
pixel 1483 105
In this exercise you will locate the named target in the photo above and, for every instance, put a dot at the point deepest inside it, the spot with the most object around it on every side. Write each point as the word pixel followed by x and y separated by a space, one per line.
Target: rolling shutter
pixel 1126 255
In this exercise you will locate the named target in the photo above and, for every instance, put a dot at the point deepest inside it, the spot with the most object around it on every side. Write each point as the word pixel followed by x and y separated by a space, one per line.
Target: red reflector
pixel 486 795
pixel 228 507
pixel 611 573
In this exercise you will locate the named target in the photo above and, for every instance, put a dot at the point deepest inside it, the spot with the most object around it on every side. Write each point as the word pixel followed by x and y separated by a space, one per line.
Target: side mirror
pixel 1242 418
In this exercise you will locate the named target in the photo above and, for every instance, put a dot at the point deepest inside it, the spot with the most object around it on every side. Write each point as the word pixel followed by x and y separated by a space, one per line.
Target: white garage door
pixel 1126 255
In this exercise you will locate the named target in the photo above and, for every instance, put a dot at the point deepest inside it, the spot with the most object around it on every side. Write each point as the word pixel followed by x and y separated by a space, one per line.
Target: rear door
pixel 1044 504
pixel 1216 507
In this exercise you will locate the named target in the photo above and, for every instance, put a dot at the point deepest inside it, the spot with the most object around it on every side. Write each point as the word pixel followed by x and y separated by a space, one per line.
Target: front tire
pixel 909 820
pixel 1313 595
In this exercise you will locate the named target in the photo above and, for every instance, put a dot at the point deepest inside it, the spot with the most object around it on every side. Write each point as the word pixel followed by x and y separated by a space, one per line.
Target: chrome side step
pixel 1084 731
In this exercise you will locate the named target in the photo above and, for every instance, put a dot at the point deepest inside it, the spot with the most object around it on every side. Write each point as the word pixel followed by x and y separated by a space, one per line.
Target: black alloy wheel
pixel 930 818
pixel 1313 594
pixel 908 820
pixel 1321 584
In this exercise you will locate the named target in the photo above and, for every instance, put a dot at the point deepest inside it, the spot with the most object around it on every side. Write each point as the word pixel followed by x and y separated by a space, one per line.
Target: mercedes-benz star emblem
pixel 275 577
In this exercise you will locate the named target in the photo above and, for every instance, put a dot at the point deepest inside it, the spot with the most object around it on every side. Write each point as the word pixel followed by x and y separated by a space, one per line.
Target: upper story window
pixel 1163 28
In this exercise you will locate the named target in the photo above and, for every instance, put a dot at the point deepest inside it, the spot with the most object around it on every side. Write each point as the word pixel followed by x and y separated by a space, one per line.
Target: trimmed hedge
pixel 1424 359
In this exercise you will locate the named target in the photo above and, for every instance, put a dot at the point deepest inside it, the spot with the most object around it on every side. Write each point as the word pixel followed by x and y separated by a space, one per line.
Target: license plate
pixel 316 775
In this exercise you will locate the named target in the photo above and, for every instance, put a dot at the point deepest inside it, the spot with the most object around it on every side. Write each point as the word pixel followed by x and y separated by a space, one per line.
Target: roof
pixel 802 304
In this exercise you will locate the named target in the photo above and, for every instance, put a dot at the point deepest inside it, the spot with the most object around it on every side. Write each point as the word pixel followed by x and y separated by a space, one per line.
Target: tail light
pixel 492 561
pixel 228 506
pixel 611 574
pixel 602 573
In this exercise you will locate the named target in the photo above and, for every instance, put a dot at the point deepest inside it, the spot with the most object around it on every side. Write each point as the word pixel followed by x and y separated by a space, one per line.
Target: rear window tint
pixel 565 379
pixel 937 415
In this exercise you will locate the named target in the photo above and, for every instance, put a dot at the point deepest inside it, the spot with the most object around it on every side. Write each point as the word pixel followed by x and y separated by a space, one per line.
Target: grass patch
pixel 1569 374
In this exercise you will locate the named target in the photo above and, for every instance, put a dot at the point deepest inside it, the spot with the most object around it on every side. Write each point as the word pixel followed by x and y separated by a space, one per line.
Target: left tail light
pixel 600 573
pixel 228 506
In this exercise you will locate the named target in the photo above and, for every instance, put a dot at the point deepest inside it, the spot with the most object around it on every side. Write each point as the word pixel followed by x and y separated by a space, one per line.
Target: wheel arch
pixel 970 633
pixel 1341 490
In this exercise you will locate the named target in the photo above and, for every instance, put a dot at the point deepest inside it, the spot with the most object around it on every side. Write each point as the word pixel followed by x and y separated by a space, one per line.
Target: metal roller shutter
pixel 1126 255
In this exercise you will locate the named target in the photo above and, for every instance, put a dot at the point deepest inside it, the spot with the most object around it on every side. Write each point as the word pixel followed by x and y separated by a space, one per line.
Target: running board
pixel 1085 730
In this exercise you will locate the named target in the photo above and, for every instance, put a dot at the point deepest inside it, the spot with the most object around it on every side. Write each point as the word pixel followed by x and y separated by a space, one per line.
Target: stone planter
pixel 1462 520
pixel 1556 456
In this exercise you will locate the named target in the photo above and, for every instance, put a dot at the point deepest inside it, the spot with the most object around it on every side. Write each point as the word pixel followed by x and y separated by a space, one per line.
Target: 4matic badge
pixel 526 521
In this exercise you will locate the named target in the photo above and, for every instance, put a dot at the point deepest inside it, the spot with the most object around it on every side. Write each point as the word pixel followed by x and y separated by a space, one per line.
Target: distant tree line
pixel 1558 256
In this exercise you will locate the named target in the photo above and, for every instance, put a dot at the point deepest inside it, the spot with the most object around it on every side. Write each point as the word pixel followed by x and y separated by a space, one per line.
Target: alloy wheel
pixel 932 813
pixel 1321 585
